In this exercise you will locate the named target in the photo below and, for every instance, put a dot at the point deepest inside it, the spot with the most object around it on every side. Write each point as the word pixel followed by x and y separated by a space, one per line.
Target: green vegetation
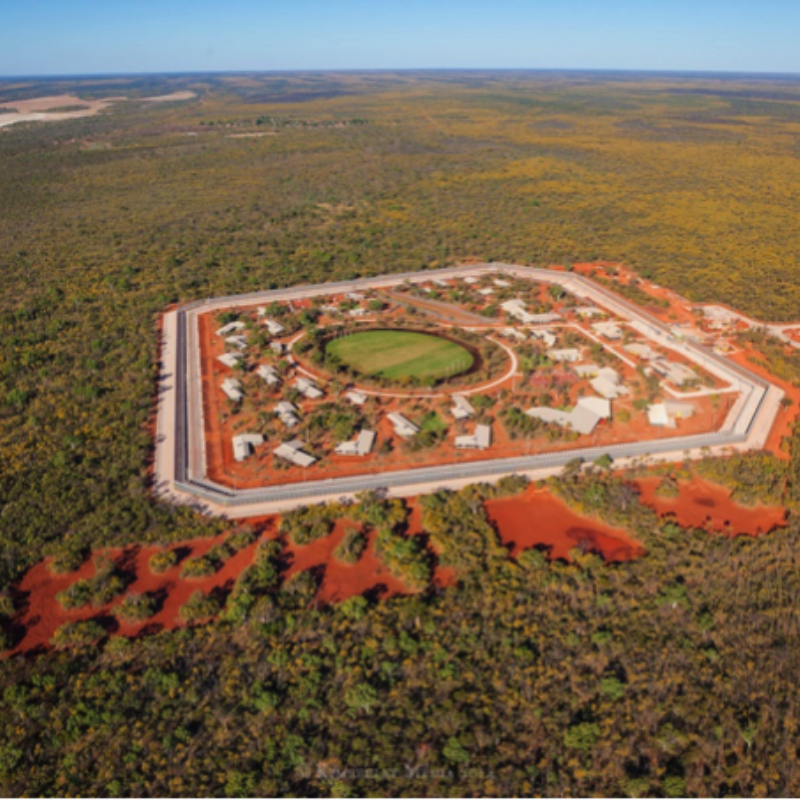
pixel 99 590
pixel 136 608
pixel 78 634
pixel 162 561
pixel 351 548
pixel 200 606
pixel 401 355
pixel 309 523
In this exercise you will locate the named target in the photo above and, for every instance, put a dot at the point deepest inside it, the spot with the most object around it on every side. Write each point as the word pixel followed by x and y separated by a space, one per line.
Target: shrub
pixel 201 567
pixel 6 605
pixel 241 539
pixel 136 608
pixel 78 634
pixel 98 590
pixel 255 582
pixel 76 596
pixel 162 561
pixel 199 606
pixel 351 547
pixel 309 523
pixel 67 560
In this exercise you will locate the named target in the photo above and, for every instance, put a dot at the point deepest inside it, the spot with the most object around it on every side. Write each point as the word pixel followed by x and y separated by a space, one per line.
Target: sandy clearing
pixel 168 98
pixel 38 109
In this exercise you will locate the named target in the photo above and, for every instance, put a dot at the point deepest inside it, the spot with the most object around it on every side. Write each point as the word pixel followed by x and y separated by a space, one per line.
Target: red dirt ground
pixel 537 518
pixel 40 613
pixel 702 504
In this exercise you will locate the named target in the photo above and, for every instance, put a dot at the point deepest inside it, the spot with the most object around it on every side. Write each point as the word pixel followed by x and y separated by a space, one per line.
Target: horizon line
pixel 393 70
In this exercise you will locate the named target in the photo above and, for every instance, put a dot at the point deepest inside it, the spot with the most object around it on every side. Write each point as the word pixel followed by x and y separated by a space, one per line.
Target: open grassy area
pixel 401 354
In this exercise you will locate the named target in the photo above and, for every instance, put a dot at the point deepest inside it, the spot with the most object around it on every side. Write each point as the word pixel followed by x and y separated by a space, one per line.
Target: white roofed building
pixel 236 341
pixel 274 327
pixel 569 355
pixel 547 337
pixel 516 309
pixel 462 408
pixel 356 398
pixel 608 384
pixel 230 359
pixel 583 419
pixel 610 330
pixel 545 318
pixel 233 388
pixel 287 413
pixel 360 446
pixel 293 453
pixel 269 375
pixel 673 371
pixel 244 443
pixel 663 415
pixel 481 439
pixel 586 370
pixel 402 426
pixel 641 350
pixel 230 328
pixel 308 389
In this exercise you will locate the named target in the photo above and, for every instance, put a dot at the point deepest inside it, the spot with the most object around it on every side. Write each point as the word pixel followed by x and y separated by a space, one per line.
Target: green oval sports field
pixel 398 355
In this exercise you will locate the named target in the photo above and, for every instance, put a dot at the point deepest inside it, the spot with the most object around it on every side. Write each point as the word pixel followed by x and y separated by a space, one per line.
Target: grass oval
pixel 400 355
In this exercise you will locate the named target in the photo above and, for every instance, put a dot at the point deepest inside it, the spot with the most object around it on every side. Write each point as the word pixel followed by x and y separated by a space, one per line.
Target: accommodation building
pixel 356 398
pixel 608 384
pixel 583 419
pixel 244 443
pixel 568 354
pixel 664 415
pixel 287 413
pixel 402 426
pixel 230 359
pixel 308 389
pixel 293 453
pixel 481 439
pixel 233 388
pixel 462 408
pixel 360 446
pixel 230 328
pixel 610 330
pixel 274 327
pixel 269 374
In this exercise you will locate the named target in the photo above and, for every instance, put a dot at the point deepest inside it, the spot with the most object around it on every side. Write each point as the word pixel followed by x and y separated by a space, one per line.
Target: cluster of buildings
pixel 583 418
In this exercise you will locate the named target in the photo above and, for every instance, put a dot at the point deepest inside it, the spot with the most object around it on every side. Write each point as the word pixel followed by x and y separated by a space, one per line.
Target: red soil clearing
pixel 702 504
pixel 538 518
pixel 40 614
pixel 341 581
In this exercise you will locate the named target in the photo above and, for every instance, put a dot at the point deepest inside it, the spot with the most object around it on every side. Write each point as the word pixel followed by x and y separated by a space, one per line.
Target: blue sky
pixel 50 37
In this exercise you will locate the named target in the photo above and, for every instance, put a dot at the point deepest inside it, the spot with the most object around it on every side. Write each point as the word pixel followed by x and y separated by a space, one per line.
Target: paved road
pixel 184 474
